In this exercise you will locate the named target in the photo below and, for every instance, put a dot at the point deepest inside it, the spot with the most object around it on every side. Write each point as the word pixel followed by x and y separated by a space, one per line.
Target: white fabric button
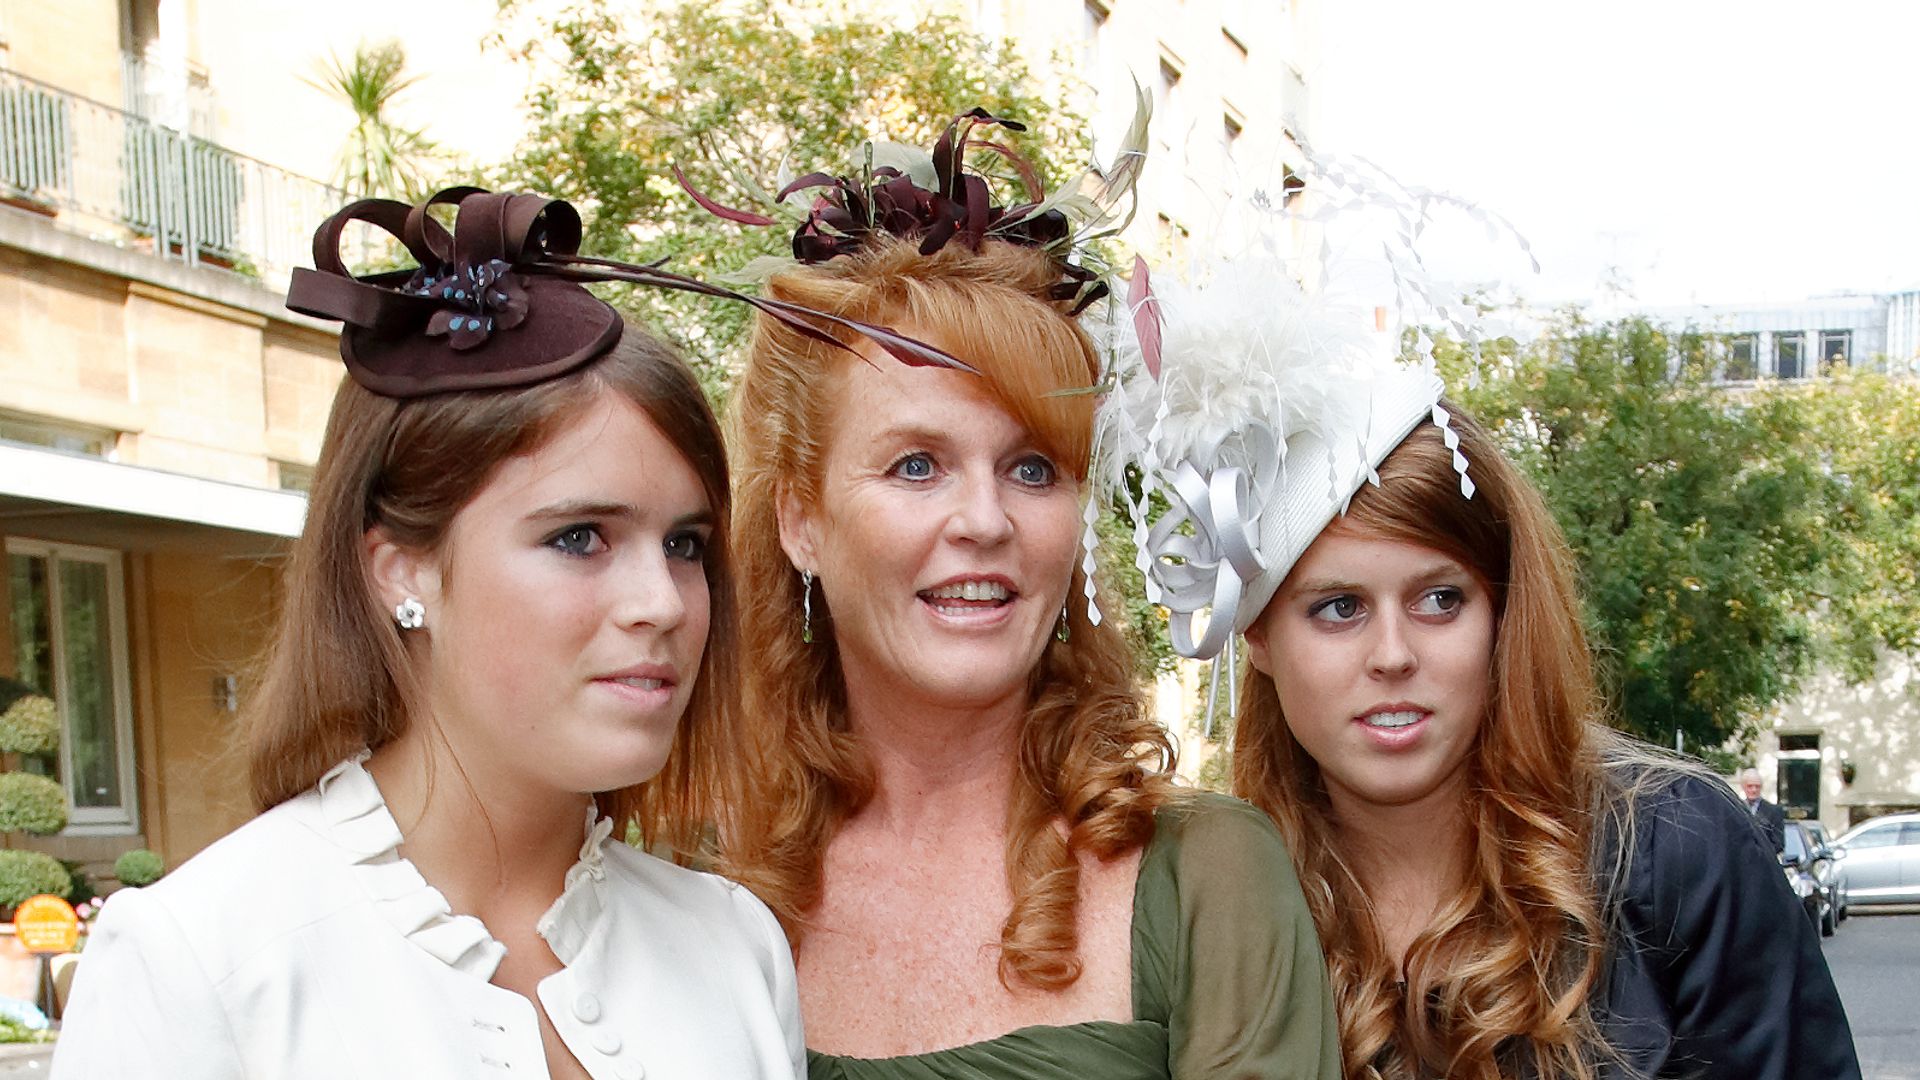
pixel 607 1042
pixel 630 1070
pixel 586 1008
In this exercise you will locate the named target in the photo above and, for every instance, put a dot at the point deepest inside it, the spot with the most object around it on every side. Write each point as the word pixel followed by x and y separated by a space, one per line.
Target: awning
pixel 79 499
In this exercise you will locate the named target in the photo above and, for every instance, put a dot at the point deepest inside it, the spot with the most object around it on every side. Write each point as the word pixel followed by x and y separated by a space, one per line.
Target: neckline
pixel 354 815
pixel 1029 1031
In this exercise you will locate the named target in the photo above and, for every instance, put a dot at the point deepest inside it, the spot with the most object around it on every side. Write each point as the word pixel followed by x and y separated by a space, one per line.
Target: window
pixel 1166 100
pixel 68 615
pixel 1093 19
pixel 1231 128
pixel 1236 47
pixel 1741 350
pixel 1789 356
pixel 67 438
pixel 1910 834
pixel 294 477
pixel 1798 775
pixel 1836 347
pixel 1292 186
pixel 1883 836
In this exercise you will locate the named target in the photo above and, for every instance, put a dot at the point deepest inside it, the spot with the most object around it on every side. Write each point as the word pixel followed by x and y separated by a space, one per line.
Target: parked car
pixel 1804 863
pixel 1831 876
pixel 1879 860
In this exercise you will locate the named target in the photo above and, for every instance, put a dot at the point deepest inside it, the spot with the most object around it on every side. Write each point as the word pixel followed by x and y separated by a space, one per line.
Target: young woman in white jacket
pixel 507 637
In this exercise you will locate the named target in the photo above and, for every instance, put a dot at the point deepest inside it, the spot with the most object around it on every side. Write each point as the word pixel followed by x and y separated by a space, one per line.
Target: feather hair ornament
pixel 1256 400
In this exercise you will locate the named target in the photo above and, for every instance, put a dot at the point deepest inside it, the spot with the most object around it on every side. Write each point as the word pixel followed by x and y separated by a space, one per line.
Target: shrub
pixel 26 874
pixel 138 867
pixel 32 804
pixel 30 726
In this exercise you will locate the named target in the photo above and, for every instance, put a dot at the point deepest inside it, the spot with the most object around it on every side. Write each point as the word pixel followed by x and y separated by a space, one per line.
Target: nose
pixel 649 593
pixel 1392 653
pixel 979 513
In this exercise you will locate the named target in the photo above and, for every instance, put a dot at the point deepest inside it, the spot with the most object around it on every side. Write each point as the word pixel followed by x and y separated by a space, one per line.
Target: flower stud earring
pixel 410 614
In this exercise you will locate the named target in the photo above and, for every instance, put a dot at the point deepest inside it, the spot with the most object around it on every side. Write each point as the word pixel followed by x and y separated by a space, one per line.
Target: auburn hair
pixel 1089 756
pixel 338 677
pixel 1498 983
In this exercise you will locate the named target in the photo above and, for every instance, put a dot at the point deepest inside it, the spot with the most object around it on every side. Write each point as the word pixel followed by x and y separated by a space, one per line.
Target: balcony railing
pixel 113 175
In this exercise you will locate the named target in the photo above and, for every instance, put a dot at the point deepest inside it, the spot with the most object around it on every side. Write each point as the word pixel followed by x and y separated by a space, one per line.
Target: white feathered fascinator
pixel 1257 405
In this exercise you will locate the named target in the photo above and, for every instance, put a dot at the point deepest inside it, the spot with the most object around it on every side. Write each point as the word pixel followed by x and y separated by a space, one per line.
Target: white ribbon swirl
pixel 1207 568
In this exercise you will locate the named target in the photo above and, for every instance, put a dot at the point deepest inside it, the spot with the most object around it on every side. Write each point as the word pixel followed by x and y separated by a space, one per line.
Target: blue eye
pixel 914 466
pixel 686 547
pixel 1336 609
pixel 1035 471
pixel 578 540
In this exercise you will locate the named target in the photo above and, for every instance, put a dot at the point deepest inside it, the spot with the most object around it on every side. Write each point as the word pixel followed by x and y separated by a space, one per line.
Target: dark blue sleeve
pixel 1746 992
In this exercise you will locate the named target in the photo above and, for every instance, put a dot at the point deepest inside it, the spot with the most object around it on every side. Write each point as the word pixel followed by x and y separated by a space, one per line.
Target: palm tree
pixel 379 158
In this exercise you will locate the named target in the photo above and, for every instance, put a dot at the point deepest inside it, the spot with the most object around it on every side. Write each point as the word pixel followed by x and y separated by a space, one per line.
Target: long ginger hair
pixel 1500 979
pixel 1088 755
pixel 339 677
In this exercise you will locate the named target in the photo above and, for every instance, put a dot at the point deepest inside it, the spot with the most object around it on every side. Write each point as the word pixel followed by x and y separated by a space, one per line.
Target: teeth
pixel 971 590
pixel 644 684
pixel 1394 719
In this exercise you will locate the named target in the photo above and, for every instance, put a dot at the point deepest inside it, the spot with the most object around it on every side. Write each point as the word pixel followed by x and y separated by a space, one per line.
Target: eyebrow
pixel 1437 570
pixel 575 509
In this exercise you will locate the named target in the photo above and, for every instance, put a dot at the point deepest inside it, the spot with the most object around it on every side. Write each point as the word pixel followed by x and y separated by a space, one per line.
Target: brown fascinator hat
pixel 496 300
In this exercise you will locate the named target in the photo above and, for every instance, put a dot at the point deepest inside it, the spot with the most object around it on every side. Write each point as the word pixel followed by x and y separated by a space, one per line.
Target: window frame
pixel 1798 339
pixel 123 819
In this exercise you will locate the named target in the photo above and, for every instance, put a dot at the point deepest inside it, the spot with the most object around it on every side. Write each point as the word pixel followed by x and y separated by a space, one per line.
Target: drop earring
pixel 806 607
pixel 1062 631
pixel 410 614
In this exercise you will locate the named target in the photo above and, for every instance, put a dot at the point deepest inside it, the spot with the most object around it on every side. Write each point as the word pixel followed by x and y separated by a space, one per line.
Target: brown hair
pixel 338 677
pixel 1088 754
pixel 1500 978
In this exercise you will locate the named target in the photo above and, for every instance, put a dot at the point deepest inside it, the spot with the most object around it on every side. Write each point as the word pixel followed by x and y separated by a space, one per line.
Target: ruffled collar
pixel 356 817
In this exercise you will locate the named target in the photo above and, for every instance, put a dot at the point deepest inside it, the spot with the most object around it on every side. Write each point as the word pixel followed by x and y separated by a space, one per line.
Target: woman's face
pixel 567 611
pixel 1381 652
pixel 943 537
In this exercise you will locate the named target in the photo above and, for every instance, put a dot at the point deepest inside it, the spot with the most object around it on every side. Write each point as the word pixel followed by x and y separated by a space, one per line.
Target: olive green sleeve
pixel 1244 982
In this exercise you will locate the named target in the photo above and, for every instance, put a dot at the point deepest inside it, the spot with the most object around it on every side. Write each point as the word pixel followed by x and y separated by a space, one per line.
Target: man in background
pixel 1766 814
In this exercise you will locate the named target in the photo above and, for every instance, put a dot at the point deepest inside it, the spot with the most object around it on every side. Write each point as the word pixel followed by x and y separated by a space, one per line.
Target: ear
pixel 1257 653
pixel 799 527
pixel 398 572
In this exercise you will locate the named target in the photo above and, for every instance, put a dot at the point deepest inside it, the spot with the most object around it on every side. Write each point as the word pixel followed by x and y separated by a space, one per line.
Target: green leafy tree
pixel 740 96
pixel 380 157
pixel 1722 552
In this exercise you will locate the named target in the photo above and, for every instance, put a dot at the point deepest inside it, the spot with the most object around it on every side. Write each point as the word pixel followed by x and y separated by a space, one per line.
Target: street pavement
pixel 1875 960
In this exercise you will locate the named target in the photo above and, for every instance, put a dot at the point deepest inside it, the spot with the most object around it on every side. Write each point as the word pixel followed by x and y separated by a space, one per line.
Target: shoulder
pixel 248 888
pixel 1212 826
pixel 1213 852
pixel 692 898
pixel 1676 812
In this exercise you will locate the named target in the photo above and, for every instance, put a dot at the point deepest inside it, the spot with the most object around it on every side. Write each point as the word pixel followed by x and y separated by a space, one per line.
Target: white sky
pixel 1711 150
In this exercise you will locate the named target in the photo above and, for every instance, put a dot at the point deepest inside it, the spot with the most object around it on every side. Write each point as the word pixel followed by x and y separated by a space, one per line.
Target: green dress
pixel 1228 980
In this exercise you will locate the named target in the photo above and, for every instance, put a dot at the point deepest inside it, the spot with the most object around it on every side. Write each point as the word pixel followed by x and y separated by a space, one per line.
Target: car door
pixel 1909 851
pixel 1873 864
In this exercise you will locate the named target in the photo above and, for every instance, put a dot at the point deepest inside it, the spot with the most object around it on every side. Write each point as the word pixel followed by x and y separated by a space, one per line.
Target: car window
pixel 1819 833
pixel 1796 847
pixel 1880 836
pixel 1910 834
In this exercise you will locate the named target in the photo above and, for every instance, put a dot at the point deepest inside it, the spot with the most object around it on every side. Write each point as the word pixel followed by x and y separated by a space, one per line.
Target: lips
pixel 643 683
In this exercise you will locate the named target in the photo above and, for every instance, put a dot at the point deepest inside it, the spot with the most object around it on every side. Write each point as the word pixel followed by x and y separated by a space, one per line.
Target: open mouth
pixel 1392 721
pixel 971 597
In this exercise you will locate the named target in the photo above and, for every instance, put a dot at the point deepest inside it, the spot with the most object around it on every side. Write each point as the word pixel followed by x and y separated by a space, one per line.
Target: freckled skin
pixel 927 480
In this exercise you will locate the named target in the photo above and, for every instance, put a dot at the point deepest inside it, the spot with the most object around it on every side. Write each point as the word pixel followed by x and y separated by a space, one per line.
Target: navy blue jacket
pixel 1716 971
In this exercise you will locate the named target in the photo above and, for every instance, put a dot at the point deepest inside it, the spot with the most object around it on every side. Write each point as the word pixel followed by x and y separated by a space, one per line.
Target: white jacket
pixel 303 946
